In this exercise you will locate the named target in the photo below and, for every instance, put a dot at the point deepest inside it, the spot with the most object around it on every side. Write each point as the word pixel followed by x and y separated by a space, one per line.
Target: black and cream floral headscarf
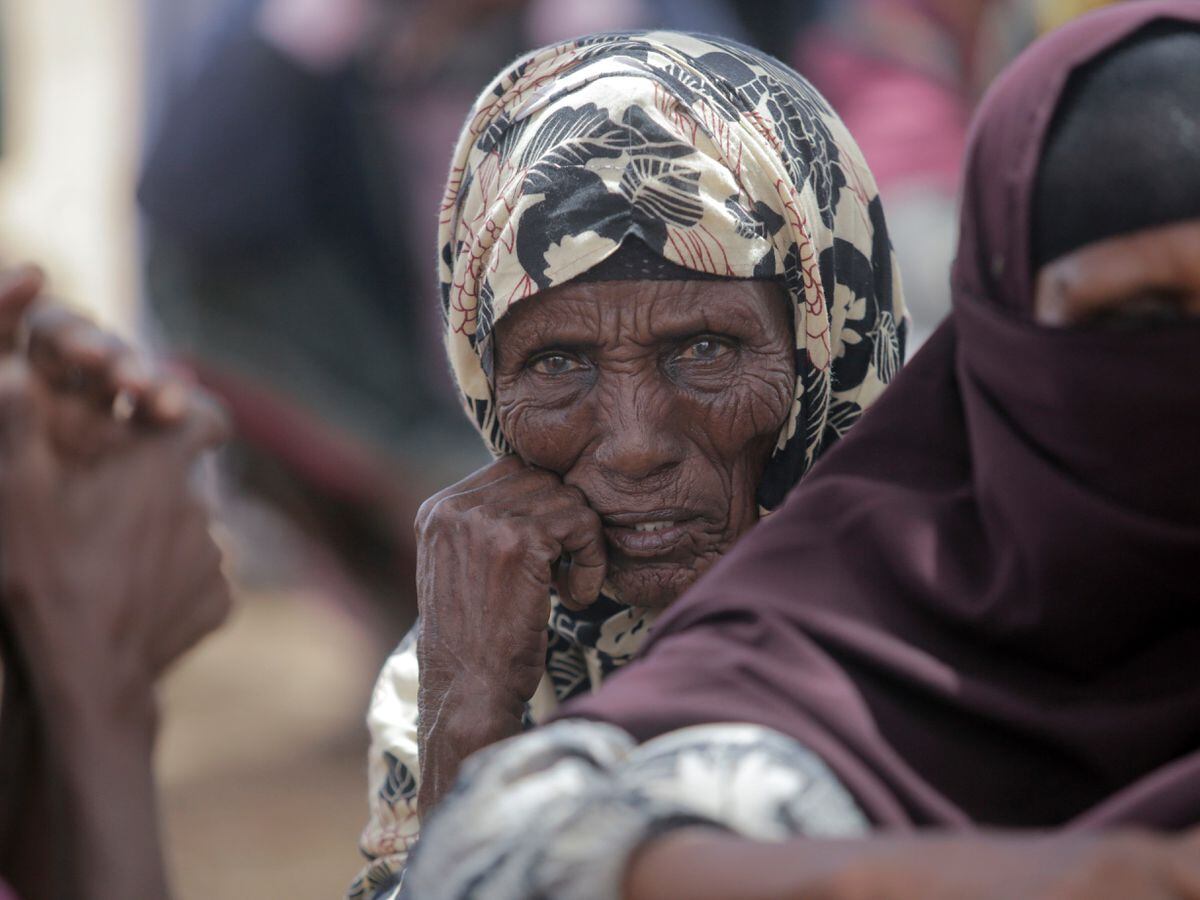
pixel 722 161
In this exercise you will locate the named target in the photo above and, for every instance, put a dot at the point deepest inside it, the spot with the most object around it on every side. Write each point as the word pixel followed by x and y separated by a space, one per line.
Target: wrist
pixel 88 813
pixel 81 718
pixel 108 820
pixel 455 723
pixel 472 717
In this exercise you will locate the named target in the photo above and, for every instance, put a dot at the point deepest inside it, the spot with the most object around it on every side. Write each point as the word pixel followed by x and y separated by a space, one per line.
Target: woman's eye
pixel 705 349
pixel 554 364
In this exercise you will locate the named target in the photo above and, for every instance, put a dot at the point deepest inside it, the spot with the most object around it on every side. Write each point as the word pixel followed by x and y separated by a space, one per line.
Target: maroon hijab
pixel 983 607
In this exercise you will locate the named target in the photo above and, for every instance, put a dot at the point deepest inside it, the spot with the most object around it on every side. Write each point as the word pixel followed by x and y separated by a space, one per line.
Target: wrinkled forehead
pixel 632 314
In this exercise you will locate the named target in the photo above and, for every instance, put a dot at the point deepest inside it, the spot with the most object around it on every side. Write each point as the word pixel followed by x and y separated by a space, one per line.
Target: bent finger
pixel 82 431
pixel 24 440
pixel 507 483
pixel 581 536
pixel 73 353
pixel 498 470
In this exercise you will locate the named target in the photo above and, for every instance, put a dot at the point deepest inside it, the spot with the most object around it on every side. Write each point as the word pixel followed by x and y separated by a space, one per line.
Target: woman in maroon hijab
pixel 971 639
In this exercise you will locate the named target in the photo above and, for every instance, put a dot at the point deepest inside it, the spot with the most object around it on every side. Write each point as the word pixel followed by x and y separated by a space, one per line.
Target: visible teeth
pixel 652 526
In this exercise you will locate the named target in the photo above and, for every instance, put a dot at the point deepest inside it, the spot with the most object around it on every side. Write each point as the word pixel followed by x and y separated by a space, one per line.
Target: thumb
pixel 28 475
pixel 18 289
pixel 19 416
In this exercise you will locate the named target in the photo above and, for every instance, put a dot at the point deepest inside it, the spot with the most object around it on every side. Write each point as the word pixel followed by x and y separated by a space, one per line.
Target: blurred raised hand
pixel 108 573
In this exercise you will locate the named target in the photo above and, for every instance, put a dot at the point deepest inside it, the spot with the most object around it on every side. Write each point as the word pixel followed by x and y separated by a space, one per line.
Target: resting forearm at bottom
pixel 701 863
pixel 81 818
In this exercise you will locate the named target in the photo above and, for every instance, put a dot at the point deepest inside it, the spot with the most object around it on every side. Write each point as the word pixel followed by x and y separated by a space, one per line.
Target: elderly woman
pixel 979 612
pixel 668 290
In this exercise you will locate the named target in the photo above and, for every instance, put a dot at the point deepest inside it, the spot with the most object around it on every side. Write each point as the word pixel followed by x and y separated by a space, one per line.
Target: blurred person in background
pixel 109 576
pixel 905 75
pixel 280 268
pixel 668 287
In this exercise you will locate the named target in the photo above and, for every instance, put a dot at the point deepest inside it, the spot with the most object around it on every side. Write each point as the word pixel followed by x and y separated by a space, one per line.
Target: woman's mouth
pixel 647 536
pixel 653 526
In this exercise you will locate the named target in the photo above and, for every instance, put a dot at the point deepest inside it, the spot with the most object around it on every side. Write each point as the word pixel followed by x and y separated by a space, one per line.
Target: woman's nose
pixel 640 435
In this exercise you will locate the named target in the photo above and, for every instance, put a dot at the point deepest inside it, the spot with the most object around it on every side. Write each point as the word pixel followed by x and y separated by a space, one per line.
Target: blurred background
pixel 251 187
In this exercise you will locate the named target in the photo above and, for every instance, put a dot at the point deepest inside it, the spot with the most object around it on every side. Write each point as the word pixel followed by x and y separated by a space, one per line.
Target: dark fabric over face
pixel 1132 111
pixel 982 607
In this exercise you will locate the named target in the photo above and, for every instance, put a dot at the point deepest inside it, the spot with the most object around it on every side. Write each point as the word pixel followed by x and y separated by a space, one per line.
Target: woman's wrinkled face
pixel 1144 276
pixel 661 401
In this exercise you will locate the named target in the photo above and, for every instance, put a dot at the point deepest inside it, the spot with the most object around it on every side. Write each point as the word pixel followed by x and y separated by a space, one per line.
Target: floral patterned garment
pixel 583 796
pixel 723 161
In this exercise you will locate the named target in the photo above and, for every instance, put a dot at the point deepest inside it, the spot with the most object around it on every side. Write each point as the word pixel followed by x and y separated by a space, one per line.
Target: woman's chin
pixel 653 585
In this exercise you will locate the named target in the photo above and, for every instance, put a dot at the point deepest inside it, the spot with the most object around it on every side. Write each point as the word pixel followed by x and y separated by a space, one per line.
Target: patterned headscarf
pixel 720 159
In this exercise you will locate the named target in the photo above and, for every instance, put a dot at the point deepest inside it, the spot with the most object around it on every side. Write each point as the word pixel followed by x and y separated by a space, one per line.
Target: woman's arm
pixel 109 575
pixel 26 807
pixel 488 550
pixel 104 819
pixel 703 865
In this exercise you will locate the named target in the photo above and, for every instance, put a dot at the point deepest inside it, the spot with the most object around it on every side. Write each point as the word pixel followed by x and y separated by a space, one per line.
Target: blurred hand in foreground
pixel 109 573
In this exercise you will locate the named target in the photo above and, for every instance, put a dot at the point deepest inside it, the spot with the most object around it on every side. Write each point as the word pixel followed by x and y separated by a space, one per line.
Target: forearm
pixel 460 723
pixel 28 841
pixel 80 814
pixel 703 864
pixel 110 819
pixel 87 824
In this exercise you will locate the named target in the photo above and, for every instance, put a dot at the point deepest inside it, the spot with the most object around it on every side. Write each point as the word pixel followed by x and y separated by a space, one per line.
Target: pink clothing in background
pixel 911 125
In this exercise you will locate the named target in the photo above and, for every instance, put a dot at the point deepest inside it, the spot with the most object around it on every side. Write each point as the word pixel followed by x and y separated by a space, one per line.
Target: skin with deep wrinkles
pixel 642 415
